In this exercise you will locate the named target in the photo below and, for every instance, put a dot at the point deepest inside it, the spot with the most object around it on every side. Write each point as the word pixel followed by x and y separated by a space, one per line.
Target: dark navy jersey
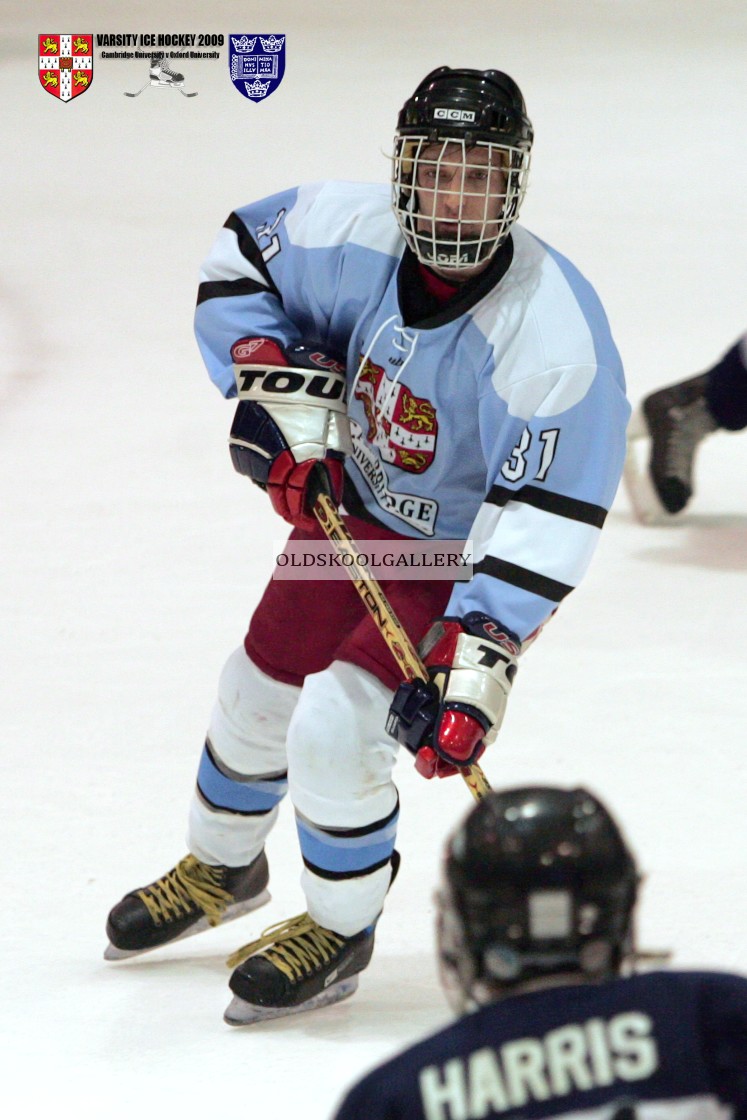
pixel 658 1046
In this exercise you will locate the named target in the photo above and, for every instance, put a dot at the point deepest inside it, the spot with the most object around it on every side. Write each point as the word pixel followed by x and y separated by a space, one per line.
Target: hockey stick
pixel 387 623
pixel 181 91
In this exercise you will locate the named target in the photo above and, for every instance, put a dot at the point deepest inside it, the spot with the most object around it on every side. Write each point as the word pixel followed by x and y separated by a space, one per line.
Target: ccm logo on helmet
pixel 453 114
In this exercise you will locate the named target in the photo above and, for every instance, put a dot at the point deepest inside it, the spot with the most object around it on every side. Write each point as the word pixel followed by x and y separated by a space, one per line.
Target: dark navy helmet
pixel 467 104
pixel 537 882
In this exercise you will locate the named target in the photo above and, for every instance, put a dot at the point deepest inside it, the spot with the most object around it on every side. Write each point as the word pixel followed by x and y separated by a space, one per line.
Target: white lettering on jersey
pixel 420 513
pixel 266 230
pixel 487 1088
pixel 575 1057
pixel 524 1063
pixel 635 1049
pixel 444 1094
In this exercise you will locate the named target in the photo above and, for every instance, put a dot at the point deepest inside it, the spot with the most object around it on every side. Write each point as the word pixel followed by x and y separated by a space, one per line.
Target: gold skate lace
pixel 296 946
pixel 191 883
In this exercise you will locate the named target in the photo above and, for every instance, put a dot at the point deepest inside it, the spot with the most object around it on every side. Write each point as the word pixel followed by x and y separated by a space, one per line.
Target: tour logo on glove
pixel 291 416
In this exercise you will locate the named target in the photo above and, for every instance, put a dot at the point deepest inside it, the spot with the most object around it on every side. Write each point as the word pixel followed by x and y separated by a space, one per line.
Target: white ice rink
pixel 133 555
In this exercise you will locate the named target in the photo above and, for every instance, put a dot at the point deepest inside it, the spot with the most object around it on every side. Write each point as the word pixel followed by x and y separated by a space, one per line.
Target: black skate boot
pixel 188 899
pixel 161 73
pixel 673 421
pixel 296 965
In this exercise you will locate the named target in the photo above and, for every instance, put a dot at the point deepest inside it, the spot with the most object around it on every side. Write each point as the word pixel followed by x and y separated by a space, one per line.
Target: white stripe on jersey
pixel 549 393
pixel 314 222
pixel 531 361
pixel 567 545
pixel 227 262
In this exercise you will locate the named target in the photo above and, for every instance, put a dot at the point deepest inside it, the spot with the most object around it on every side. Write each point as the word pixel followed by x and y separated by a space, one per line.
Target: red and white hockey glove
pixel 449 720
pixel 291 416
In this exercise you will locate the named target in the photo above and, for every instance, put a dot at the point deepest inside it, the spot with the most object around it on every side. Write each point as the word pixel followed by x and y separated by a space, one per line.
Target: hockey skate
pixel 296 965
pixel 163 76
pixel 663 437
pixel 185 901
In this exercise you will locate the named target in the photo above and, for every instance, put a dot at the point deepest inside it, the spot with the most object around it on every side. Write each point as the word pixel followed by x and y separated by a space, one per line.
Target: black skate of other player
pixel 673 422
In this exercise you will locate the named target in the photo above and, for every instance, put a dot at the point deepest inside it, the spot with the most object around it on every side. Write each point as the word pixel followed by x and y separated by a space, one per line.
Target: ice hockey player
pixel 667 428
pixel 535 930
pixel 479 395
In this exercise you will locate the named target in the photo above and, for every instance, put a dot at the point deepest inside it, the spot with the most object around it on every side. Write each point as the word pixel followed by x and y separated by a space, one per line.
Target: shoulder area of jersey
pixel 325 192
pixel 347 192
pixel 336 213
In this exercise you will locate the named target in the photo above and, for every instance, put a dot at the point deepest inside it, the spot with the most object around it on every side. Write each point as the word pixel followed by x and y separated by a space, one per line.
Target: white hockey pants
pixel 328 737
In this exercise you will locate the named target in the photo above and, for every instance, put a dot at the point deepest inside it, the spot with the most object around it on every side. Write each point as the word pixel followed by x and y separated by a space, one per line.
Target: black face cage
pixel 484 182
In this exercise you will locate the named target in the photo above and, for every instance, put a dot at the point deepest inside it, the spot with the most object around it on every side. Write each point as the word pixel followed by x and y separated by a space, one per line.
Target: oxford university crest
pixel 256 64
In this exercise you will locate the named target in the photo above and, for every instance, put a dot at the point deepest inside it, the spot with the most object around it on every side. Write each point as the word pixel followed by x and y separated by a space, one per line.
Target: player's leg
pixel 240 783
pixel 340 763
pixel 242 776
pixel 242 772
pixel 726 390
pixel 668 427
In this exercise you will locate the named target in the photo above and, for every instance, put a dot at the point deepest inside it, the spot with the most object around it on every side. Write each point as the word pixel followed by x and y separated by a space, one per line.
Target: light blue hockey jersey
pixel 499 417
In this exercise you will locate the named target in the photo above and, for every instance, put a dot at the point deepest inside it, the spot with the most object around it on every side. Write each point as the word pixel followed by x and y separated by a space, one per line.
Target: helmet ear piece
pixel 458 967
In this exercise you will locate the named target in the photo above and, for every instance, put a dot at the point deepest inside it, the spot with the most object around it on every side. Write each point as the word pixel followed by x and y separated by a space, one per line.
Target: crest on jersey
pixel 404 427
pixel 256 64
pixel 65 64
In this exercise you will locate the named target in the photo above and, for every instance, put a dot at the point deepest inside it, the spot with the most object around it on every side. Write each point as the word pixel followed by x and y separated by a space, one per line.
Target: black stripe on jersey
pixel 527 580
pixel 234 775
pixel 217 289
pixel 364 830
pixel 549 502
pixel 249 248
pixel 234 812
pixel 211 289
pixel 323 873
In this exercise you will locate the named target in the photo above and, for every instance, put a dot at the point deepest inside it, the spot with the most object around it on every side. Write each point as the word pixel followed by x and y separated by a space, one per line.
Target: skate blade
pixel 647 505
pixel 112 953
pixel 239 1013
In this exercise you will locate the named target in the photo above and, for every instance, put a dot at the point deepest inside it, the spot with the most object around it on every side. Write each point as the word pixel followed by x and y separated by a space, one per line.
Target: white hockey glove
pixel 449 720
pixel 291 416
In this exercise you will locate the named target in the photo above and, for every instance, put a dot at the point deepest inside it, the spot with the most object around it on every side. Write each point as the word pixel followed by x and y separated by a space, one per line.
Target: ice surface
pixel 132 555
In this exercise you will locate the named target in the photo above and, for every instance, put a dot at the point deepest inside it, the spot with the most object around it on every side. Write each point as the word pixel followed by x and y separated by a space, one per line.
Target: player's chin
pixel 449 237
pixel 458 275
